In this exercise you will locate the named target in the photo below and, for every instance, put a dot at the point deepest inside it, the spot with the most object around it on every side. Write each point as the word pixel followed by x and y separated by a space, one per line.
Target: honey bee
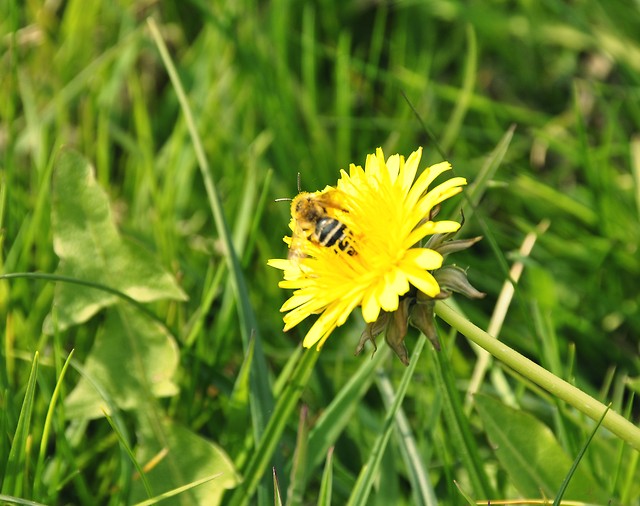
pixel 311 213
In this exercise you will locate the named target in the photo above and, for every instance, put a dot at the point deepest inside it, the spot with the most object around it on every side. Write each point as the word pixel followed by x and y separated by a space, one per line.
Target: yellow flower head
pixel 358 244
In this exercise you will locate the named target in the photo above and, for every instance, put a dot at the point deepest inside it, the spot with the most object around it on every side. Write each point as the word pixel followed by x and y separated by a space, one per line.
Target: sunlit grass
pixel 536 104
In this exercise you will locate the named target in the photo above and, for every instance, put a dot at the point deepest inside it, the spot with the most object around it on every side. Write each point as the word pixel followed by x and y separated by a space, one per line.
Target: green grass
pixel 142 352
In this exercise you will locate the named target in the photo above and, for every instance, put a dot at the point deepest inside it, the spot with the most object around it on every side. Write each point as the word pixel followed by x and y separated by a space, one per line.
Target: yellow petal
pixel 424 180
pixel 382 209
pixel 423 258
pixel 321 328
pixel 370 306
pixel 393 168
pixel 388 299
pixel 423 281
pixel 392 281
pixel 279 263
pixel 430 228
pixel 440 193
pixel 349 304
pixel 295 301
pixel 410 169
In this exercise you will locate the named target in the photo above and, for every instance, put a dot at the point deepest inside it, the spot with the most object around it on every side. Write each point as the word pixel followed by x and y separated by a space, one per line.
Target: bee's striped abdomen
pixel 330 232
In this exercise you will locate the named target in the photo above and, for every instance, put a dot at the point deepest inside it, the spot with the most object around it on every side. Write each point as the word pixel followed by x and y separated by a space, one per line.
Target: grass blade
pixel 541 377
pixel 365 480
pixel 337 415
pixel 287 401
pixel 298 470
pixel 326 485
pixel 565 483
pixel 423 493
pixel 462 439
pixel 16 468
pixel 262 400
pixel 37 478
pixel 176 491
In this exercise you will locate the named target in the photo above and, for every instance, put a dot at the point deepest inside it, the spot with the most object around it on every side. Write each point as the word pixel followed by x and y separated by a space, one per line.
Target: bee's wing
pixel 333 200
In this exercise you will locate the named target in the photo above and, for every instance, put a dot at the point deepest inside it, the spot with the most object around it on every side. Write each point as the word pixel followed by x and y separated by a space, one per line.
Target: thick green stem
pixel 540 376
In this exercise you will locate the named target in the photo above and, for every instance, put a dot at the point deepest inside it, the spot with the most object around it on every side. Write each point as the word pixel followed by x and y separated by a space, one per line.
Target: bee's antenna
pixel 287 198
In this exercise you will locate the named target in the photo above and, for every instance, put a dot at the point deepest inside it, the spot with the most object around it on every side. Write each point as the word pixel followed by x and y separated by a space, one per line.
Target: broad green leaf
pixel 132 360
pixel 90 248
pixel 531 455
pixel 184 458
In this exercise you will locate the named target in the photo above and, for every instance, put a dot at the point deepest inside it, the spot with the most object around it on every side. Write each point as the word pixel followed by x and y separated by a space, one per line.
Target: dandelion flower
pixel 380 214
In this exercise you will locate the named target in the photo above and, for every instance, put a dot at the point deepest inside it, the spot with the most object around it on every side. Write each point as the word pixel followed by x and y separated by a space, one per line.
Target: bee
pixel 313 221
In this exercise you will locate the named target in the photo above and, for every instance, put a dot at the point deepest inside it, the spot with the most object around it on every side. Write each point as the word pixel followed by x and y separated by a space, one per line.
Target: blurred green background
pixel 542 98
